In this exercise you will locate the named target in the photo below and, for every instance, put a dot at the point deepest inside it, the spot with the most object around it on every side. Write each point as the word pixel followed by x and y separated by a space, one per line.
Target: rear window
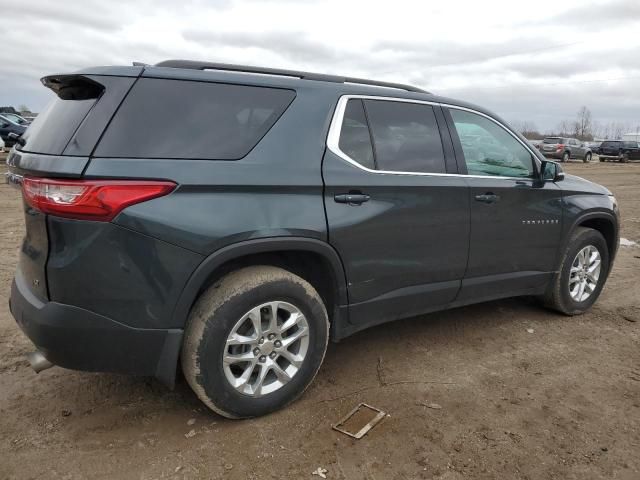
pixel 631 144
pixel 196 120
pixel 553 140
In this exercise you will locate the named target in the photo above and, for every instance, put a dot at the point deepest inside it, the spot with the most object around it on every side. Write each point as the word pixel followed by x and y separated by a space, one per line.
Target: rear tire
pixel 562 294
pixel 624 158
pixel 565 157
pixel 231 336
pixel 587 158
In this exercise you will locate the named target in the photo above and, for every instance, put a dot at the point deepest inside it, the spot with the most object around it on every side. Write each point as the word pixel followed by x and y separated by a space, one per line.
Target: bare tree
pixel 564 128
pixel 598 130
pixel 583 124
pixel 617 129
pixel 527 128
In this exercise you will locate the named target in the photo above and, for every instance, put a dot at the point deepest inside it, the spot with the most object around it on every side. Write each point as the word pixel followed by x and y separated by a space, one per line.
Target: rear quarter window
pixel 52 129
pixel 192 120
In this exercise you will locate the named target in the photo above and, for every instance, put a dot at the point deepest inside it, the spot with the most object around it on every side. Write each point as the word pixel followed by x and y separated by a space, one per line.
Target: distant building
pixel 631 137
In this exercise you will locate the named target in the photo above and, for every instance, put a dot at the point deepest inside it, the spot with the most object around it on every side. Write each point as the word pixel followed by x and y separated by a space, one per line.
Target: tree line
pixel 583 127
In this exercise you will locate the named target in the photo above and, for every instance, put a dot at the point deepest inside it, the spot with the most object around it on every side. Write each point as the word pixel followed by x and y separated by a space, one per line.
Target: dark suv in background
pixel 564 149
pixel 618 150
pixel 280 210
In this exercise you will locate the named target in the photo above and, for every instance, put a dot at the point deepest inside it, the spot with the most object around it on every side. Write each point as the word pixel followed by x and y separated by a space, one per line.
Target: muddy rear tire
pixel 254 341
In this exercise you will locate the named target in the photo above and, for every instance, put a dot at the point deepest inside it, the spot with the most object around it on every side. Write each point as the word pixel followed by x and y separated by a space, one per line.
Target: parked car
pixel 15 118
pixel 564 149
pixel 8 127
pixel 1 145
pixel 284 209
pixel 618 150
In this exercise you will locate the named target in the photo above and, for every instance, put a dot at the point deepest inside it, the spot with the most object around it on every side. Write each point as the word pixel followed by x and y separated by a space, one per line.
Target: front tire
pixel 623 158
pixel 587 158
pixel 582 274
pixel 254 341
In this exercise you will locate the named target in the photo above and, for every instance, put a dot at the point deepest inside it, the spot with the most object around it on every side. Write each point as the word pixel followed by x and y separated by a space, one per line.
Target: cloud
pixel 601 15
pixel 295 46
pixel 537 65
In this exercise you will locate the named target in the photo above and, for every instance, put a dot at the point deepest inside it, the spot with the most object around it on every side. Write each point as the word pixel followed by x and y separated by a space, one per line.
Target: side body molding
pixel 264 245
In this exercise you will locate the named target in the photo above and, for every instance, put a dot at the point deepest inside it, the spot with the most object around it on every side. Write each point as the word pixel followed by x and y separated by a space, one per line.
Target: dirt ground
pixel 524 394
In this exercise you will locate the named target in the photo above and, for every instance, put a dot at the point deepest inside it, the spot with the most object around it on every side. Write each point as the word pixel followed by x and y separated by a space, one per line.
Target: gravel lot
pixel 524 393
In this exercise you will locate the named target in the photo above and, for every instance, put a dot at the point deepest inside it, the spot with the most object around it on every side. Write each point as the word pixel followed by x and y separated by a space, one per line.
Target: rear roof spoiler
pixel 73 86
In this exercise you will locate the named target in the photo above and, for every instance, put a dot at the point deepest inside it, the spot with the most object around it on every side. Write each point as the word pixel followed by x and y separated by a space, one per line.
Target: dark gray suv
pixel 234 219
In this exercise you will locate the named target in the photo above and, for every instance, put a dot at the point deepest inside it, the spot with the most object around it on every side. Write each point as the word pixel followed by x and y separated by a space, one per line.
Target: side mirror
pixel 551 171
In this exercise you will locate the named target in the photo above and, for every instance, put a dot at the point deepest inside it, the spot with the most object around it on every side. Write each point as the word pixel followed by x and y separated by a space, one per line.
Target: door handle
pixel 488 198
pixel 352 198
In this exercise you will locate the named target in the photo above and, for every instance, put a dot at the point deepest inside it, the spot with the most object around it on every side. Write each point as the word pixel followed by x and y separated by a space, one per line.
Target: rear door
pixel 578 149
pixel 515 219
pixel 396 215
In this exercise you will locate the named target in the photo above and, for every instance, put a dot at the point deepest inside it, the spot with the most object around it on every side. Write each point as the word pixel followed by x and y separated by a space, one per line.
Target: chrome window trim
pixel 333 138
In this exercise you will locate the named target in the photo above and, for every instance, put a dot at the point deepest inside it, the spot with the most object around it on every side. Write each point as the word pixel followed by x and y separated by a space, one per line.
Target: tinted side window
pixel 405 136
pixel 489 149
pixel 185 119
pixel 355 139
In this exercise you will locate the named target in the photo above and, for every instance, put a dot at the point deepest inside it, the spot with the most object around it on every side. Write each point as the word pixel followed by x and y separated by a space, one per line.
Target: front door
pixel 516 219
pixel 397 217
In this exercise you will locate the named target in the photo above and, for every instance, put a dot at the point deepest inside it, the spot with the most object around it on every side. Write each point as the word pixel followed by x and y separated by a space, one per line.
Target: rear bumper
pixel 78 339
pixel 553 154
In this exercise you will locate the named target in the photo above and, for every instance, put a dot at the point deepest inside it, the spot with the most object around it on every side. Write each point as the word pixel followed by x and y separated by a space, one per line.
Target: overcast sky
pixel 538 61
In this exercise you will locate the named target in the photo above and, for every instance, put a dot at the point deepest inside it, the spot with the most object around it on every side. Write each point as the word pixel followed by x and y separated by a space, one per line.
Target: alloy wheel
pixel 584 273
pixel 266 348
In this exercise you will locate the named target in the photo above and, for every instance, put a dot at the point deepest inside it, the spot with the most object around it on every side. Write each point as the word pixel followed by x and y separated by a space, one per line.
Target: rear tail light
pixel 99 200
pixel 560 146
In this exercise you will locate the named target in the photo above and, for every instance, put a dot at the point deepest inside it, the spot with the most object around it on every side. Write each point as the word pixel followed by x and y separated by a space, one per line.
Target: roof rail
pixel 194 65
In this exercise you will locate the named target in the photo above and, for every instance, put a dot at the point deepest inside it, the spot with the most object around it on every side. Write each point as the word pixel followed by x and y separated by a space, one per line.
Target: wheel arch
pixel 314 260
pixel 603 222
